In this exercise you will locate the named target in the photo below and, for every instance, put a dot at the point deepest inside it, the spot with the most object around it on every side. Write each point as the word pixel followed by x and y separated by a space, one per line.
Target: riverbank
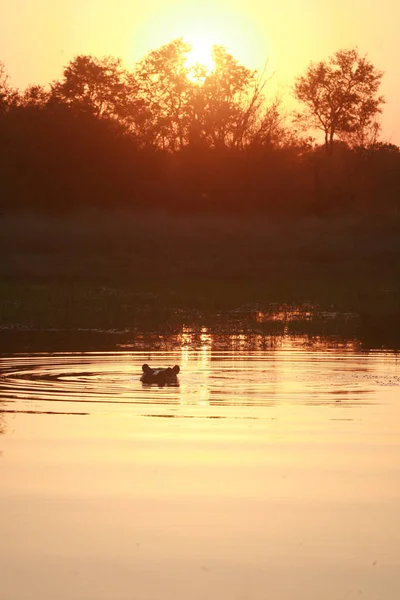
pixel 127 271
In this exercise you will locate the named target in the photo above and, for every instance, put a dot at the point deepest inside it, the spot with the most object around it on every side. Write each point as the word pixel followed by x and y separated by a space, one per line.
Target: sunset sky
pixel 37 38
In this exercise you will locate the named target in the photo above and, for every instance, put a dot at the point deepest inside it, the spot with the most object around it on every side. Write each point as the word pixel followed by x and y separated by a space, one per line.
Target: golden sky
pixel 37 38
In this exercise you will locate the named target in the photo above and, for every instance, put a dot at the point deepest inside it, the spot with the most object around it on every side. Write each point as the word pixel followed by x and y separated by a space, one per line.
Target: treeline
pixel 169 136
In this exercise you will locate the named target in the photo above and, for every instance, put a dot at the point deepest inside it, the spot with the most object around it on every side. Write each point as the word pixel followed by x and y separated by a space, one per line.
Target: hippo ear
pixel 145 368
pixel 176 370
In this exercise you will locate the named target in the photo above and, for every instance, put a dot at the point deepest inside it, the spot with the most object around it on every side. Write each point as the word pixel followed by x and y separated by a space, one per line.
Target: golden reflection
pixel 196 348
pixel 280 367
pixel 250 374
pixel 2 423
pixel 204 396
pixel 256 329
pixel 206 347
pixel 185 341
pixel 248 473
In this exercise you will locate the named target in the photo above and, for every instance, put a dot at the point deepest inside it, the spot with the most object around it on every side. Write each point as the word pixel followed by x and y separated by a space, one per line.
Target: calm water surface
pixel 269 473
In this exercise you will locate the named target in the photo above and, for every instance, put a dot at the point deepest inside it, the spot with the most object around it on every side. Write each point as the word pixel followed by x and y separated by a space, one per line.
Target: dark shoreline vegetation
pixel 165 196
pixel 128 273
pixel 165 136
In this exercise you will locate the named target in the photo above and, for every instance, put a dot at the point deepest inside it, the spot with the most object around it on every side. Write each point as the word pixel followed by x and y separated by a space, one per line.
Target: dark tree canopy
pixel 228 102
pixel 163 134
pixel 101 87
pixel 166 90
pixel 340 95
pixel 222 108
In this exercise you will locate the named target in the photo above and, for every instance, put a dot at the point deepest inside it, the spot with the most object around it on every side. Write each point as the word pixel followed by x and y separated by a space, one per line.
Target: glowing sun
pixel 201 52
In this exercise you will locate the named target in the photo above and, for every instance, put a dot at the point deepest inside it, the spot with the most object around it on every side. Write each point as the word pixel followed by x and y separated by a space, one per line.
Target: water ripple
pixel 211 382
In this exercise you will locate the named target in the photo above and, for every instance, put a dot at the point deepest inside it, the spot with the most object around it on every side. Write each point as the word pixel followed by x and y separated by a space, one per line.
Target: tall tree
pixel 166 89
pixel 221 108
pixel 228 101
pixel 101 87
pixel 230 106
pixel 340 95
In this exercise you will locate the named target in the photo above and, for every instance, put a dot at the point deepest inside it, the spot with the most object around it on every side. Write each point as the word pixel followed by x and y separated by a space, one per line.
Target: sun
pixel 201 52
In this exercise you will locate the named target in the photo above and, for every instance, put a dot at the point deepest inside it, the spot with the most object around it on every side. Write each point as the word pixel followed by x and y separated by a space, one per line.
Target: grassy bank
pixel 123 270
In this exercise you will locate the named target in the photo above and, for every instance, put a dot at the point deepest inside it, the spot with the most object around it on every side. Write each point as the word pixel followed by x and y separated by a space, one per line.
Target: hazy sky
pixel 37 38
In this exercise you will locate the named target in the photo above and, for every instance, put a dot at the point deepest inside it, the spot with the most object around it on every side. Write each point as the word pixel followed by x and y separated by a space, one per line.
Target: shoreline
pixel 130 272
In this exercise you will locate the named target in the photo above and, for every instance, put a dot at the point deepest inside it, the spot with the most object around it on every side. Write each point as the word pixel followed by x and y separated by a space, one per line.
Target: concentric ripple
pixel 212 384
pixel 66 383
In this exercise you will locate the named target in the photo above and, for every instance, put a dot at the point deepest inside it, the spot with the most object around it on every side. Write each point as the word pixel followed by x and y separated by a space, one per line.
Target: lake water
pixel 271 473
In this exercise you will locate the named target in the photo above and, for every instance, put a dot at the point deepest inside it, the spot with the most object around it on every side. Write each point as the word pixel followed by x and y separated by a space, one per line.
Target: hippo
pixel 161 376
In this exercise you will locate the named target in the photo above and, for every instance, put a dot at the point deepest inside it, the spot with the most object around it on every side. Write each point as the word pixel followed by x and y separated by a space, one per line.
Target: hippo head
pixel 161 376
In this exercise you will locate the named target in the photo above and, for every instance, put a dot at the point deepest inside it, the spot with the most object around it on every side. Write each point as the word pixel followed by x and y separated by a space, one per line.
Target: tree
pixel 34 96
pixel 101 87
pixel 8 96
pixel 340 95
pixel 364 136
pixel 166 90
pixel 230 108
pixel 191 106
pixel 268 129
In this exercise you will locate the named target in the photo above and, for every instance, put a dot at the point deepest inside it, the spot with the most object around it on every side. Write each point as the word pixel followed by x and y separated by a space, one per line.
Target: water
pixel 271 472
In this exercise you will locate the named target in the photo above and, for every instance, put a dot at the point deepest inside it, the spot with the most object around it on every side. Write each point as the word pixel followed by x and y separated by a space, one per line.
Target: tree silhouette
pixel 166 89
pixel 221 108
pixel 8 96
pixel 164 134
pixel 34 96
pixel 229 105
pixel 365 135
pixel 340 95
pixel 101 87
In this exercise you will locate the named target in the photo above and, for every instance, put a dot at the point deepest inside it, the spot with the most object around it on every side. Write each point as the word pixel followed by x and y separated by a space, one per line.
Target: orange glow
pixel 201 52
pixel 277 462
pixel 36 42
pixel 201 26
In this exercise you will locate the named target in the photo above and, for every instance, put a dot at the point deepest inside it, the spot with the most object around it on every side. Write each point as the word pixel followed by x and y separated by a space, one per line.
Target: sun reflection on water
pixel 276 452
pixel 196 349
